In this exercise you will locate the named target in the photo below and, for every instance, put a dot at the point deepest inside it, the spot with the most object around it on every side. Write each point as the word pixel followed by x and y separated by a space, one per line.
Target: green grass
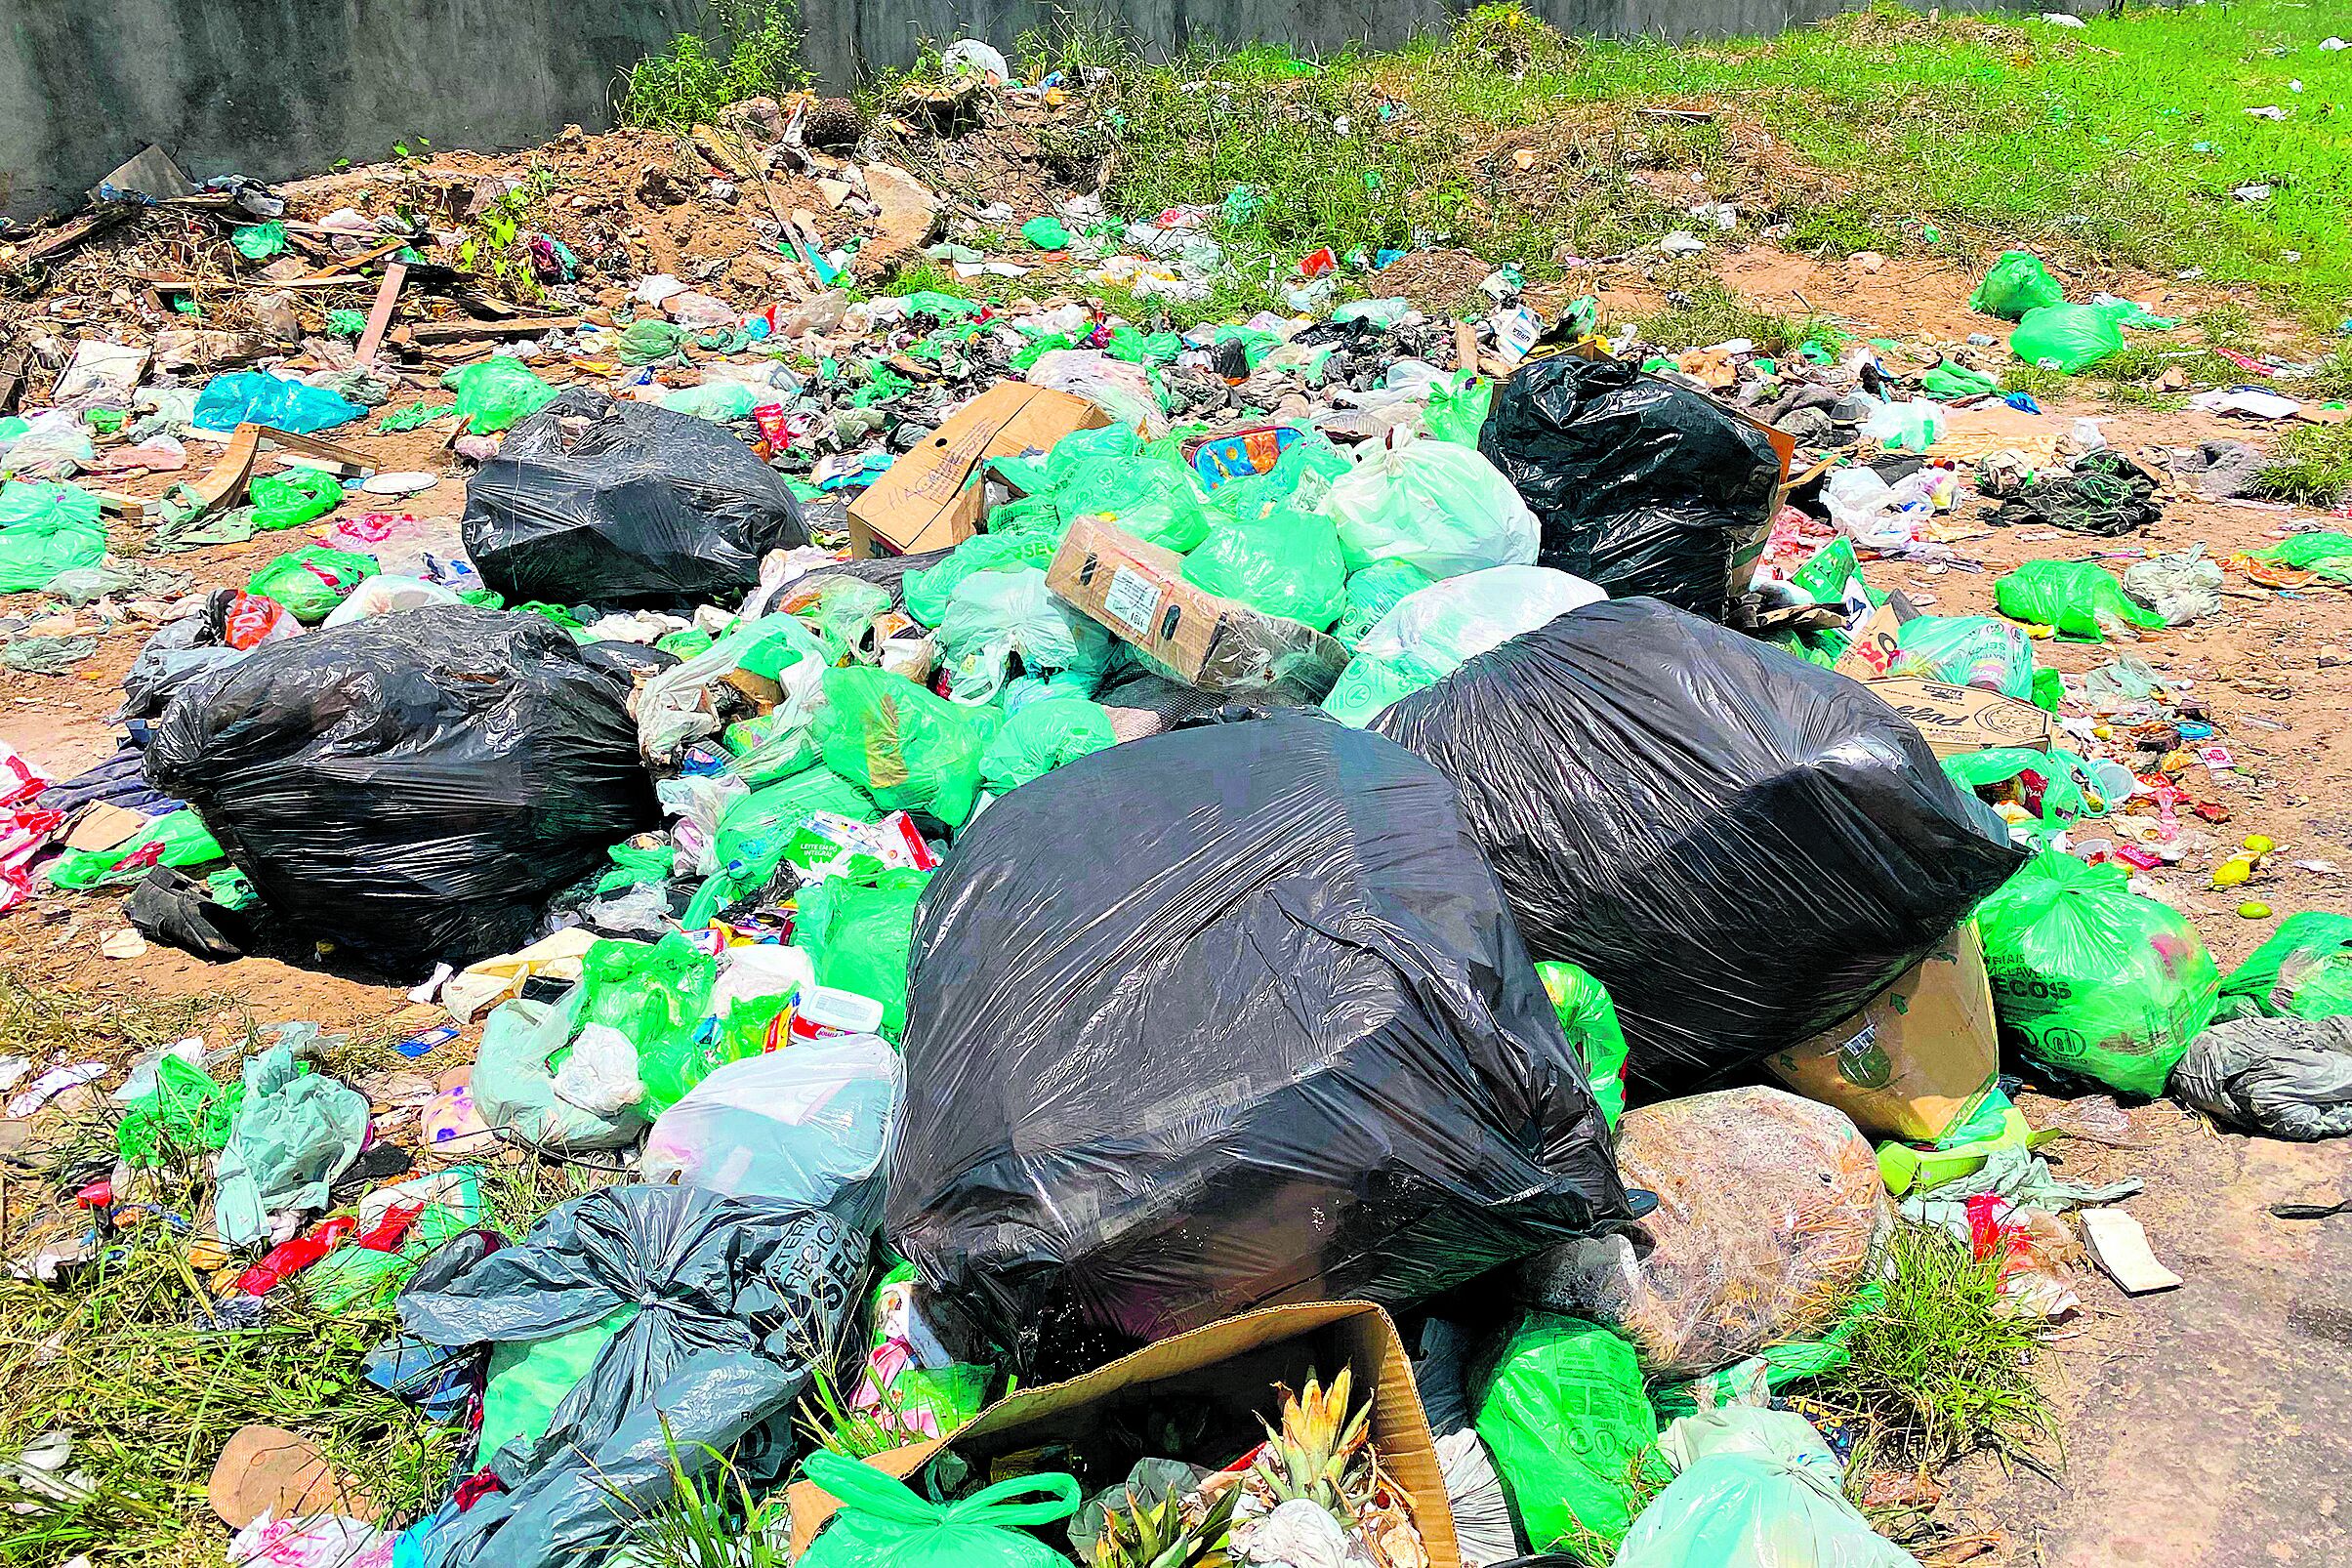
pixel 2118 142
pixel 1706 312
pixel 753 49
pixel 2309 464
pixel 1943 1368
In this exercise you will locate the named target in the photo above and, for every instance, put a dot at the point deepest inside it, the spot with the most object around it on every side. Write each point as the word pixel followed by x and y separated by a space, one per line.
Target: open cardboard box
pixel 1221 645
pixel 1956 720
pixel 934 496
pixel 1233 1365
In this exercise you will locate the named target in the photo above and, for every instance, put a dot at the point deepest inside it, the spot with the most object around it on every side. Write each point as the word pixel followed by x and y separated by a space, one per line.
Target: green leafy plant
pixel 753 49
pixel 498 244
pixel 710 1519
pixel 2308 464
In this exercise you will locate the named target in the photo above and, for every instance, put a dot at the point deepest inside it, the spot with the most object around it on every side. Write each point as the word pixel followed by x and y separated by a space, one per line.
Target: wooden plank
pixel 430 332
pixel 380 317
pixel 170 284
pixel 352 263
pixel 72 235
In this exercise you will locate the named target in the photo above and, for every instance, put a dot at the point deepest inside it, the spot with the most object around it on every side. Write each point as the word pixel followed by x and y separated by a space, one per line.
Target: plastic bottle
pixel 824 1012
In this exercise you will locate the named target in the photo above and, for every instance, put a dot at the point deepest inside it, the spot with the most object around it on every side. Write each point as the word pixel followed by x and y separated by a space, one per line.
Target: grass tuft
pixel 1944 1367
pixel 1706 312
pixel 2310 465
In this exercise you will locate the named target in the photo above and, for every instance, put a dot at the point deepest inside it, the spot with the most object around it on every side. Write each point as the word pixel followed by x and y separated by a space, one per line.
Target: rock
pixel 910 215
pixel 659 185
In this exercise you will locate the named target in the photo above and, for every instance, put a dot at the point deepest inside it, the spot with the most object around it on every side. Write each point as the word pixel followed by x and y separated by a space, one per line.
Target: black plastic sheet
pixel 1224 1017
pixel 414 786
pixel 1742 847
pixel 593 501
pixel 1640 486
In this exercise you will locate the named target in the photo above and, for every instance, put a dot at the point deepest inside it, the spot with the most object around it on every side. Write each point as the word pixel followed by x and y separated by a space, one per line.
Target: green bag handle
pixel 864 1488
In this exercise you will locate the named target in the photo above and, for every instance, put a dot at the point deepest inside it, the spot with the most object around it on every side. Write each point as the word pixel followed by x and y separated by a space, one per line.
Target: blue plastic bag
pixel 252 397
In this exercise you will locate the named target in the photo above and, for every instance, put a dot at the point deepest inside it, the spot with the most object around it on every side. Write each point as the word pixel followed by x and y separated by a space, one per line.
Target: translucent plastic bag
pixel 1286 564
pixel 294 1131
pixel 513 1084
pixel 312 580
pixel 928 590
pixel 1754 1493
pixel 49 445
pixel 46 529
pixel 1431 633
pixel 994 617
pixel 1458 408
pixel 1120 390
pixel 1437 504
pixel 2067 338
pixel 2078 598
pixel 886 1524
pixel 1567 1422
pixel 861 938
pixel 911 750
pixel 1769 1209
pixel 655 996
pixel 2304 970
pixel 1373 593
pixel 2092 981
pixel 680 705
pixel 253 397
pixel 2181 586
pixel 1043 735
pixel 495 392
pixel 808 1125
pixel 1966 650
pixel 382 595
pixel 2017 283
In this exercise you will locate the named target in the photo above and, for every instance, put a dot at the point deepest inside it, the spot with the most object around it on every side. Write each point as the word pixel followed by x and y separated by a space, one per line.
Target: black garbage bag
pixel 1640 486
pixel 710 1275
pixel 1742 847
pixel 1223 1017
pixel 594 501
pixel 413 786
pixel 2285 1077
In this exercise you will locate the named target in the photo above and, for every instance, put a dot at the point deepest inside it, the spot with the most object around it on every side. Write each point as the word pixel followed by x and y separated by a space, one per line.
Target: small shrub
pixel 757 54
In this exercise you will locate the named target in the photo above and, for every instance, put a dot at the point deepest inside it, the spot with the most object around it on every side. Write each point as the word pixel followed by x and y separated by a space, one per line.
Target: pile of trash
pixel 1327 939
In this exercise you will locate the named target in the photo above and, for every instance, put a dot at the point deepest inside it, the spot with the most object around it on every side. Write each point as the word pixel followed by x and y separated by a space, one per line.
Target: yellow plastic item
pixel 2259 844
pixel 2233 870
pixel 2255 909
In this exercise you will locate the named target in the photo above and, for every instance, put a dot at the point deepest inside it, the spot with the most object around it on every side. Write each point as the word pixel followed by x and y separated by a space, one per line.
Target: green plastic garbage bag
pixel 496 392
pixel 2327 554
pixel 656 996
pixel 911 751
pixel 2067 336
pixel 1966 650
pixel 2304 970
pixel 2092 981
pixel 452 1205
pixel 928 589
pixel 758 832
pixel 1302 475
pixel 996 616
pixel 1458 408
pixel 186 1113
pixel 1588 1019
pixel 861 938
pixel 709 1274
pixel 1047 233
pixel 1951 380
pixel 312 580
pixel 2050 784
pixel 1157 501
pixel 293 498
pixel 1286 564
pixel 651 341
pixel 843 613
pixel 186 842
pixel 2081 599
pixel 1041 736
pixel 1372 594
pixel 1754 1491
pixel 2017 282
pixel 295 1132
pixel 886 1524
pixel 718 401
pixel 1567 1423
pixel 257 242
pixel 46 529
pixel 528 1379
pixel 1370 684
pixel 1441 506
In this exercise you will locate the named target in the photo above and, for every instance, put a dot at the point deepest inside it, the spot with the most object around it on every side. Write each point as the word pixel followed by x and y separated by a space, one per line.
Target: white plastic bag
pixel 1443 506
pixel 1119 389
pixel 676 706
pixel 1442 626
pixel 809 1124
pixel 600 1076
pixel 381 595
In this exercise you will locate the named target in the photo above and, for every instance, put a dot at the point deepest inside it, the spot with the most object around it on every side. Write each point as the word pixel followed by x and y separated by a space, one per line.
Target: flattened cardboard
pixel 1218 645
pixel 1238 1359
pixel 1919 1058
pixel 926 500
pixel 1959 720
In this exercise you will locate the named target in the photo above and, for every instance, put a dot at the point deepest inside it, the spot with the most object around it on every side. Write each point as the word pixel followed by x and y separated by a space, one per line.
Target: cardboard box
pixel 1190 633
pixel 1956 720
pixel 934 497
pixel 1233 1364
pixel 1918 1058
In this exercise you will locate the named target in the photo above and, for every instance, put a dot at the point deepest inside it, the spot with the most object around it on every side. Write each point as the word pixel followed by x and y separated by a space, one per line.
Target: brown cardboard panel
pixel 926 500
pixel 1958 719
pixel 1918 1058
pixel 1139 592
pixel 1238 1358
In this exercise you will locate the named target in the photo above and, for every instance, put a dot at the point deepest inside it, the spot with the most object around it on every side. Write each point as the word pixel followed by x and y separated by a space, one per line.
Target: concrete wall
pixel 276 87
